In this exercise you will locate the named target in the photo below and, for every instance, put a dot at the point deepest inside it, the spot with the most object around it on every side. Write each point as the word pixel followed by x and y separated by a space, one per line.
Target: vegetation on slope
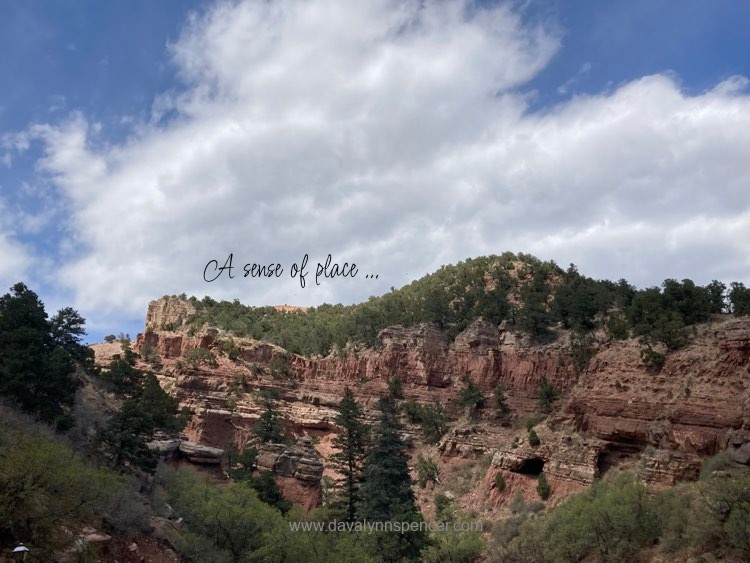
pixel 617 520
pixel 533 296
pixel 50 493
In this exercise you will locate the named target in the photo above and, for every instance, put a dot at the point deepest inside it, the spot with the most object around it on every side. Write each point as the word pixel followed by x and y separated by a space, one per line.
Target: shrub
pixel 500 482
pixel 517 503
pixel 534 440
pixel 471 395
pixel 542 487
pixel 230 348
pixel 715 463
pixel 110 338
pixel 149 354
pixel 547 395
pixel 443 507
pixel 279 367
pixel 426 471
pixel 501 404
pixel 617 326
pixel 395 388
pixel 434 423
pixel 613 519
pixel 431 418
pixel 580 351
pixel 413 411
pixel 197 356
pixel 532 421
pixel 652 358
pixel 49 494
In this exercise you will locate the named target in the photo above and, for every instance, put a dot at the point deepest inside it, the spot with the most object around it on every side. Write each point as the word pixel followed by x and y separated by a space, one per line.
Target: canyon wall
pixel 614 411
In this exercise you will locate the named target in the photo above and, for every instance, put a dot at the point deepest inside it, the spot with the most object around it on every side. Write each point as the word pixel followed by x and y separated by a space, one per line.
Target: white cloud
pixel 397 136
pixel 15 260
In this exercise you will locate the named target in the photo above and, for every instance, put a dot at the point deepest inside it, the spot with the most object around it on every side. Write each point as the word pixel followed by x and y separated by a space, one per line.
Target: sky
pixel 140 140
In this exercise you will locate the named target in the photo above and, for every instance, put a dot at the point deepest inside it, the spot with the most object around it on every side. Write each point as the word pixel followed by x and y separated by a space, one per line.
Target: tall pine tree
pixel 269 428
pixel 37 369
pixel 351 445
pixel 386 493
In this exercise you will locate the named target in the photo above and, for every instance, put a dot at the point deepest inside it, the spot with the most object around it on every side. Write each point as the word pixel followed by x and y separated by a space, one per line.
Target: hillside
pixel 652 381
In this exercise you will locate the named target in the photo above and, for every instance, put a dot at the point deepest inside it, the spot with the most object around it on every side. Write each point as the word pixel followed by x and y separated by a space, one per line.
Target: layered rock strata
pixel 615 410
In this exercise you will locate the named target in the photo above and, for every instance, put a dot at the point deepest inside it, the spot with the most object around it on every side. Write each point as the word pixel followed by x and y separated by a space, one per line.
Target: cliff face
pixel 616 411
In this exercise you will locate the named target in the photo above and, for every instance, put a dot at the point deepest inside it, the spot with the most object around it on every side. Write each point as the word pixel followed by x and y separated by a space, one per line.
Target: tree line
pixel 532 296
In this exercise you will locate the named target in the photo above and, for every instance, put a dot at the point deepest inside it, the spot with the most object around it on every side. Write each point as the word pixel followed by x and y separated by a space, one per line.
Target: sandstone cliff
pixel 614 413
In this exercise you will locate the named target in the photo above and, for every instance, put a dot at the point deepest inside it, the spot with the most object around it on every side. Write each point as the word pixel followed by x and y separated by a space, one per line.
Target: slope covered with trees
pixel 533 296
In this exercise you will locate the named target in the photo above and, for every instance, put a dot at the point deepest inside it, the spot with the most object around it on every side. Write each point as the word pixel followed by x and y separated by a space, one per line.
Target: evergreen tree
pixel 124 439
pixel 547 395
pixel 739 297
pixel 36 370
pixel 471 396
pixel 542 487
pixel 124 378
pixel 351 445
pixel 501 403
pixel 148 409
pixel 386 493
pixel 242 465
pixel 268 428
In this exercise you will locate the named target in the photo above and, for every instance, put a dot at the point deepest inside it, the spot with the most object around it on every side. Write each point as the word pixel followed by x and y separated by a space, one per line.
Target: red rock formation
pixel 688 410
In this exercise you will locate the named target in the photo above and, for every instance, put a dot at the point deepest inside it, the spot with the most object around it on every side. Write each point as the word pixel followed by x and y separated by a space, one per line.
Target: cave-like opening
pixel 532 466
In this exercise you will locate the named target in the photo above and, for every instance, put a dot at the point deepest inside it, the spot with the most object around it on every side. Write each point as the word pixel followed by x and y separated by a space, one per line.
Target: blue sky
pixel 138 140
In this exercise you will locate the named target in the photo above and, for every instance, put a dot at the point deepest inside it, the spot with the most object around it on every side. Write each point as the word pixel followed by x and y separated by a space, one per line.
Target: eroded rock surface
pixel 614 412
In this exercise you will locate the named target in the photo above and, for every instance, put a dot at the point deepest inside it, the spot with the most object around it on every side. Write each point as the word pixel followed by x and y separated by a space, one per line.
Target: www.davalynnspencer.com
pixel 364 526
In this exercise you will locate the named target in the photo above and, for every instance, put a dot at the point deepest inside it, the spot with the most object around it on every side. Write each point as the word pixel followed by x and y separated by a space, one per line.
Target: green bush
pixel 617 326
pixel 612 520
pixel 48 494
pixel 195 357
pixel 471 396
pixel 395 388
pixel 443 507
pixel 279 368
pixel 547 395
pixel 427 471
pixel 500 401
pixel 499 482
pixel 229 347
pixel 652 358
pixel 413 411
pixel 542 487
pixel 715 463
pixel 534 440
pixel 431 418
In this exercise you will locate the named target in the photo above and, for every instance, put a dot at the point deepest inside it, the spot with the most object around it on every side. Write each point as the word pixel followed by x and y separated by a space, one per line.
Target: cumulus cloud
pixel 395 135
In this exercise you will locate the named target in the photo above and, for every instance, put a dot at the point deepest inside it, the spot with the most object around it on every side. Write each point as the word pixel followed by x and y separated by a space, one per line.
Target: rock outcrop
pixel 171 448
pixel 298 470
pixel 615 411
pixel 198 453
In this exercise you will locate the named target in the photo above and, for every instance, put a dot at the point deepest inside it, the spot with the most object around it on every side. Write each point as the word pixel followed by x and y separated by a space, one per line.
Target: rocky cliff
pixel 613 413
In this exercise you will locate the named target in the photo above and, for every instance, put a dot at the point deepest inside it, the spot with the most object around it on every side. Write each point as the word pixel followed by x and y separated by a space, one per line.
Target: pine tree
pixel 35 369
pixel 149 408
pixel 501 403
pixel 547 395
pixel 386 493
pixel 268 428
pixel 351 445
